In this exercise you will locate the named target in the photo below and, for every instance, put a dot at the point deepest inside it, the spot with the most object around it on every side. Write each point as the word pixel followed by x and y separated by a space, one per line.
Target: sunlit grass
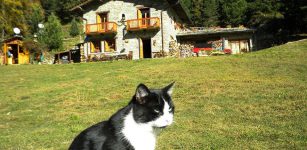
pixel 250 101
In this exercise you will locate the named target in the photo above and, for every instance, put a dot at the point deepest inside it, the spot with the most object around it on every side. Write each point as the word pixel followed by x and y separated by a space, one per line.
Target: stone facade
pixel 126 41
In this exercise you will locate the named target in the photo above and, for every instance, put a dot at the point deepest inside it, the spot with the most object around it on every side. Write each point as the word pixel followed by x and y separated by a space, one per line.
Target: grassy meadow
pixel 252 101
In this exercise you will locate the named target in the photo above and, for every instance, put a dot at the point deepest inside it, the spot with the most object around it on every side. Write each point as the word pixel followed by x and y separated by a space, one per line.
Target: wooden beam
pixel 80 5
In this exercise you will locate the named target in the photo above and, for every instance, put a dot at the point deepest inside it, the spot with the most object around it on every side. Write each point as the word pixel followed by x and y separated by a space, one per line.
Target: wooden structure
pixel 101 28
pixel 70 56
pixel 143 24
pixel 238 40
pixel 143 28
pixel 14 51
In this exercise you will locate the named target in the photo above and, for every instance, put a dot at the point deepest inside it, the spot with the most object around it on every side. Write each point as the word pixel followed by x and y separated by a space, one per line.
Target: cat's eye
pixel 158 112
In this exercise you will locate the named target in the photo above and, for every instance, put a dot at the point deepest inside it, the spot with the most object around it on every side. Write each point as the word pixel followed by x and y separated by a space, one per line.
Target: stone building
pixel 141 29
pixel 238 40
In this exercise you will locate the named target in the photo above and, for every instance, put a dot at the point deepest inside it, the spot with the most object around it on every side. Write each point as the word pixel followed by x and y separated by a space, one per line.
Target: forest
pixel 278 17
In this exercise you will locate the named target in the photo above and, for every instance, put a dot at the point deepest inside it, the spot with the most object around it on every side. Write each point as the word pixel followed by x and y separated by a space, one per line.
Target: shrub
pixel 217 52
pixel 74 29
pixel 52 35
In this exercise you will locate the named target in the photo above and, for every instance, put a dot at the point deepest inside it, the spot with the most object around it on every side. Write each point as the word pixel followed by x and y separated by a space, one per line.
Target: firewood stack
pixel 82 55
pixel 181 50
pixel 174 49
pixel 186 49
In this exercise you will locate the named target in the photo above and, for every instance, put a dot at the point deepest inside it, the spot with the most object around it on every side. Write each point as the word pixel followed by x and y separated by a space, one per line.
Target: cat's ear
pixel 169 89
pixel 141 92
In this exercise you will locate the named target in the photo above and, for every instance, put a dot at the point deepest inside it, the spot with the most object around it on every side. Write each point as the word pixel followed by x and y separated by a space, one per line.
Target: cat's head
pixel 154 106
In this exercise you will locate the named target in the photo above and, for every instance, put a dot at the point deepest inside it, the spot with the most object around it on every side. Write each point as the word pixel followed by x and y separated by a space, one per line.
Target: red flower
pixel 227 51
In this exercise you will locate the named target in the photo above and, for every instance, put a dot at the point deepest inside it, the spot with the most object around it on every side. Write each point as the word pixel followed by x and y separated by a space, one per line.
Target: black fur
pixel 107 135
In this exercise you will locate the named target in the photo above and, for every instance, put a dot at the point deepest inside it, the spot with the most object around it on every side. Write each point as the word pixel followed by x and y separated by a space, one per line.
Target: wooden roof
pixel 20 38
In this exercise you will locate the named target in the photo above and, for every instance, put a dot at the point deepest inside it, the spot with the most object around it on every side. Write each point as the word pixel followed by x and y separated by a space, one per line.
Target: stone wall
pixel 130 41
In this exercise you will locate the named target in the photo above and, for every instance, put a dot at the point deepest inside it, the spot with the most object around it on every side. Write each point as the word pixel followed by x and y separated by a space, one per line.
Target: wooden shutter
pixel 141 49
pixel 106 46
pixel 92 47
pixel 102 46
pixel 98 18
pixel 139 13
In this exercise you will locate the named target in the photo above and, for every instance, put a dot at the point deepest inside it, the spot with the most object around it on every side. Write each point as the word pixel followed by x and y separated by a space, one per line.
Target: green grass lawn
pixel 251 101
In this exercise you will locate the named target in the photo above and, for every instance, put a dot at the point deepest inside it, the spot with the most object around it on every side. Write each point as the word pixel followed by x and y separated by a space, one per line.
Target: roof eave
pixel 181 10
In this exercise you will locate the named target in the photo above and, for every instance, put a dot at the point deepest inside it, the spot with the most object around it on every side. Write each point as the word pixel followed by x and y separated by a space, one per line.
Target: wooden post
pixel 18 56
pixel 58 58
pixel 5 53
pixel 69 56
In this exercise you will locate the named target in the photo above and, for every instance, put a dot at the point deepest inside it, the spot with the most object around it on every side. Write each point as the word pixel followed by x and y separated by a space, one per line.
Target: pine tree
pixel 52 35
pixel 197 11
pixel 74 28
pixel 295 15
pixel 50 6
pixel 260 12
pixel 232 12
pixel 210 13
pixel 34 16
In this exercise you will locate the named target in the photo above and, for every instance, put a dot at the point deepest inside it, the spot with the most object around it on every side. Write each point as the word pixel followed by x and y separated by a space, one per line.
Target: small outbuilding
pixel 14 52
pixel 70 56
pixel 236 40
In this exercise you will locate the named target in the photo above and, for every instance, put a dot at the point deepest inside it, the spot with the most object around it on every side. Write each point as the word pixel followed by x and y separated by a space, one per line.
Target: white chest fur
pixel 140 136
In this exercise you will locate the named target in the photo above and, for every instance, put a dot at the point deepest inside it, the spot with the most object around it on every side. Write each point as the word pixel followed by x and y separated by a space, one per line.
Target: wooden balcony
pixel 143 24
pixel 101 28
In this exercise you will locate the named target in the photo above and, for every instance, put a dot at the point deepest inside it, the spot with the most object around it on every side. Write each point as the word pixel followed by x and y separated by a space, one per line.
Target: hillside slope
pixel 250 101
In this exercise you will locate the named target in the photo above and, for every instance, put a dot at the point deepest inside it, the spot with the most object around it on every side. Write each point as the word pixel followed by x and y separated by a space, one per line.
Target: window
pixel 95 46
pixel 109 45
pixel 142 14
pixel 102 18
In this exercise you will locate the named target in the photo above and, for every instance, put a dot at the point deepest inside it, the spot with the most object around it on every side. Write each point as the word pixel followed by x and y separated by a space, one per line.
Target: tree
pixel 197 11
pixel 295 13
pixel 74 28
pixel 34 16
pixel 187 3
pixel 52 35
pixel 262 12
pixel 11 15
pixel 232 12
pixel 60 8
pixel 210 13
pixel 50 6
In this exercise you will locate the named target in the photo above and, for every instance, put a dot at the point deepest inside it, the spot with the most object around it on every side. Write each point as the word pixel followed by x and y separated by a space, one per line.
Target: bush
pixel 52 35
pixel 74 28
pixel 36 49
pixel 217 52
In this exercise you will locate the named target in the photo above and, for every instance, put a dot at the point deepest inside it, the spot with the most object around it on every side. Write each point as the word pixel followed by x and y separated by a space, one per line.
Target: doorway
pixel 102 19
pixel 14 51
pixel 143 14
pixel 145 48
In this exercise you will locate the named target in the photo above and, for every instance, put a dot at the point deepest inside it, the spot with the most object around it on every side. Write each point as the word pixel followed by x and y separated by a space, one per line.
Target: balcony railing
pixel 143 24
pixel 100 28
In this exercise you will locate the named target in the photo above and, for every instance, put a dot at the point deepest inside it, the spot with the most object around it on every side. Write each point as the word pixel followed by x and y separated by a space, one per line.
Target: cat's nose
pixel 169 121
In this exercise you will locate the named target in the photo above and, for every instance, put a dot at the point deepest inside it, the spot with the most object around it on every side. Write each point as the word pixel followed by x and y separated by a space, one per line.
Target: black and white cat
pixel 133 127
